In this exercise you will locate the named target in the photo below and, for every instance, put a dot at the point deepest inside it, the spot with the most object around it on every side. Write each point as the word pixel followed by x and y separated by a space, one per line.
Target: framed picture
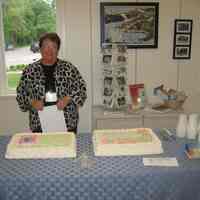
pixel 182 52
pixel 131 23
pixel 183 25
pixel 183 39
pixel 107 59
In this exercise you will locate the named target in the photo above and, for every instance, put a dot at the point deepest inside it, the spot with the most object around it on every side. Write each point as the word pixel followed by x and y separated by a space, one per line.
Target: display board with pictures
pixel 182 38
pixel 114 62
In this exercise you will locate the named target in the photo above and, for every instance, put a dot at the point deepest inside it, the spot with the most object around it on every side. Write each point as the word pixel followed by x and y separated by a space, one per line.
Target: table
pixel 104 119
pixel 99 178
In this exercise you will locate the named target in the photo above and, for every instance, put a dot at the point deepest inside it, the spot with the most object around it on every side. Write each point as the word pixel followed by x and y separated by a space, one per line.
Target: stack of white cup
pixel 198 131
pixel 188 126
pixel 192 126
pixel 181 128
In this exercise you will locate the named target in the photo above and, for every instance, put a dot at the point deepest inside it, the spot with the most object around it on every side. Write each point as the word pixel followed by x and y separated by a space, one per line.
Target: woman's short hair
pixel 50 36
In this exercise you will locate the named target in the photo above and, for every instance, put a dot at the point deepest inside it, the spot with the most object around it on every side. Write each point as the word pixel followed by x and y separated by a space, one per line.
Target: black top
pixel 49 81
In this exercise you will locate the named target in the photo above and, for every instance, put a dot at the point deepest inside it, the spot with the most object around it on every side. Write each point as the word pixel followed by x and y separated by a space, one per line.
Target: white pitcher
pixel 192 126
pixel 181 127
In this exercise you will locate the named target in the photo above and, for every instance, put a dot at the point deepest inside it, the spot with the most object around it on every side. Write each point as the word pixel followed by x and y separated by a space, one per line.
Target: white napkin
pixel 165 162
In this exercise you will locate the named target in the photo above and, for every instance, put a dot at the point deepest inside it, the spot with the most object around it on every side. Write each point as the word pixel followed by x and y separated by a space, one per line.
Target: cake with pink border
pixel 121 142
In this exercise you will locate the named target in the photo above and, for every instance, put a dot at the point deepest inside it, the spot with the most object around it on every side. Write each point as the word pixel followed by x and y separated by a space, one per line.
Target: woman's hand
pixel 63 102
pixel 37 104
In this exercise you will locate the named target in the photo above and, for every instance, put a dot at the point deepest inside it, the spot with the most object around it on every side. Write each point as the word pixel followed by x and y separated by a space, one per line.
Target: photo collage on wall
pixel 114 61
pixel 182 38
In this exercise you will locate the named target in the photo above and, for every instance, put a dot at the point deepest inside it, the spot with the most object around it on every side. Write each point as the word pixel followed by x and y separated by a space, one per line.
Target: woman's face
pixel 49 52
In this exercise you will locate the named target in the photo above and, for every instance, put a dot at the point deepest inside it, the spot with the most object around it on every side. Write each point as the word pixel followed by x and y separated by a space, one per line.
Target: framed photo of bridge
pixel 134 24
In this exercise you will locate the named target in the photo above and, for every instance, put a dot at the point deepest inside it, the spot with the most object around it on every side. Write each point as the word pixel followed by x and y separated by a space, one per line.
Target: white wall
pixel 79 27
pixel 12 120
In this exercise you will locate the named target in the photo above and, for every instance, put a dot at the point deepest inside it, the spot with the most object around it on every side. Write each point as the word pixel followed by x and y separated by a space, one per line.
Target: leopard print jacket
pixel 68 81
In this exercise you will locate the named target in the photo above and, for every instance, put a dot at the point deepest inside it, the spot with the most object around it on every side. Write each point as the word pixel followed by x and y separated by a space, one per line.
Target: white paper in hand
pixel 52 119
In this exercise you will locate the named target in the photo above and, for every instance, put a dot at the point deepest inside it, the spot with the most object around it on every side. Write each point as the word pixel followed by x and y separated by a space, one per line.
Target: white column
pixel 61 26
pixel 3 79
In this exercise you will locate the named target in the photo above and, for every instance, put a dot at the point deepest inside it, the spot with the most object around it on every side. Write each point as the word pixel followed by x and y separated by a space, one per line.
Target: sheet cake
pixel 118 142
pixel 38 145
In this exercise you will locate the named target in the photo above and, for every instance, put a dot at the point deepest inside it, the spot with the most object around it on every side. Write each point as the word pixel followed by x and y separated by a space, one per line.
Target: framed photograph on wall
pixel 131 23
pixel 182 52
pixel 182 38
pixel 183 25
pixel 107 59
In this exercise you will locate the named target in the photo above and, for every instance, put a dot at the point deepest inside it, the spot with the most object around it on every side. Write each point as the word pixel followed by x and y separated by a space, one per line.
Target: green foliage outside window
pixel 26 20
pixel 13 79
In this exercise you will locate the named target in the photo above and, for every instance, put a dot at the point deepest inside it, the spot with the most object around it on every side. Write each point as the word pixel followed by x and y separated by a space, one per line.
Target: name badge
pixel 50 97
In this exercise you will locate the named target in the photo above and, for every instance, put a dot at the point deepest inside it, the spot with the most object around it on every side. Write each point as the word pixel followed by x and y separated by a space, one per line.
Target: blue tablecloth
pixel 99 178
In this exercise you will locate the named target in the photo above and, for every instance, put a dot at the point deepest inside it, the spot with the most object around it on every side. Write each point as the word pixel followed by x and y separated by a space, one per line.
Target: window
pixel 23 22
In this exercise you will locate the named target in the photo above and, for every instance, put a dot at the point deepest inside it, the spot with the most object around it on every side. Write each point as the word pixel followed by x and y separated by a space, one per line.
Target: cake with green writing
pixel 118 142
pixel 41 145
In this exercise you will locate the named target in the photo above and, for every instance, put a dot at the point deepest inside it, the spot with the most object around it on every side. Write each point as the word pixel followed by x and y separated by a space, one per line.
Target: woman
pixel 55 76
